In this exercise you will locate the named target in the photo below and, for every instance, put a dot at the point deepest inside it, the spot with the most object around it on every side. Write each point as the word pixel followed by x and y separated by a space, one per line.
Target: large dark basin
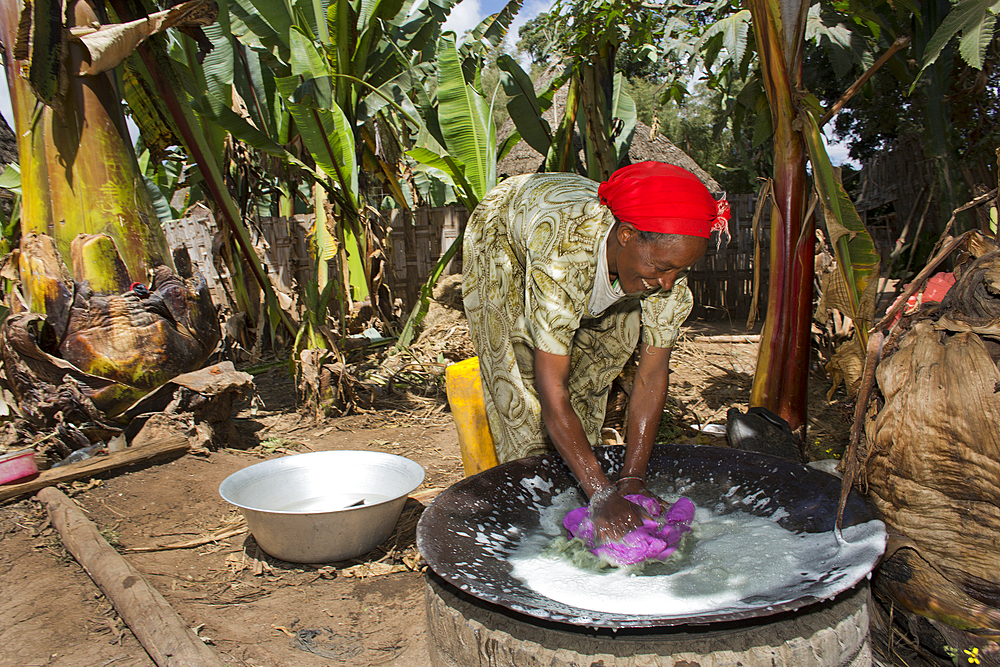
pixel 468 534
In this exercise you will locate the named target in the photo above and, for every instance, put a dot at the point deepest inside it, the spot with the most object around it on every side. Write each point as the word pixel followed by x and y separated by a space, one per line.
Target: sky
pixel 465 16
pixel 5 110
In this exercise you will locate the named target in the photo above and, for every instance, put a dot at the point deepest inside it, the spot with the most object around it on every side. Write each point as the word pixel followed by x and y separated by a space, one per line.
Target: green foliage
pixel 524 106
pixel 623 110
pixel 975 21
pixel 10 225
pixel 457 142
pixel 466 121
pixel 162 180
pixel 554 35
pixel 694 126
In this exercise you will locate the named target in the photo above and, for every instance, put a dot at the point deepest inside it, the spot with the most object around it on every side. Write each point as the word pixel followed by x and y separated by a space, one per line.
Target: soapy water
pixel 328 503
pixel 737 561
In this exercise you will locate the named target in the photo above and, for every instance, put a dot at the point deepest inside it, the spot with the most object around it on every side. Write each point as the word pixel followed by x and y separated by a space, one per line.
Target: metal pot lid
pixel 470 532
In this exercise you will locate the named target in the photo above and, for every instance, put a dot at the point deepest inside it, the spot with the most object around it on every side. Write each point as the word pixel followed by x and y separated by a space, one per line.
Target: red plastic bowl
pixel 17 465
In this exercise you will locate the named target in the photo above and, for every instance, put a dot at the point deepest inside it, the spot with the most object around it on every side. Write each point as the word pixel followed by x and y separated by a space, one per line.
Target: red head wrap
pixel 664 198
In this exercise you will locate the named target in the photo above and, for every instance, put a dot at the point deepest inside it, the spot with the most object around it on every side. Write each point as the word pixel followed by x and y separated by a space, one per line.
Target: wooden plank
pixel 168 640
pixel 435 225
pixel 174 445
pixel 450 229
pixel 299 233
pixel 421 243
pixel 397 248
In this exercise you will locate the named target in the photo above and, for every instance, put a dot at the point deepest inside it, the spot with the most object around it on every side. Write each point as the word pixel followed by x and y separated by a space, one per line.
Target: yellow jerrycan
pixel 464 387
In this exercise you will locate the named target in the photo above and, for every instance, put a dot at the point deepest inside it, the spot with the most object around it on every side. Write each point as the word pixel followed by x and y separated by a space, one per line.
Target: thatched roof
pixel 523 159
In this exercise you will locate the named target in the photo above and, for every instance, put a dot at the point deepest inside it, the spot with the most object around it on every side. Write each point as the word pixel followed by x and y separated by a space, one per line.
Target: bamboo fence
pixel 722 282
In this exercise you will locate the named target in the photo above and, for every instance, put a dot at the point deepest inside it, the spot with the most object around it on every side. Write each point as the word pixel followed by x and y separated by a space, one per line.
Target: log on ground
pixel 161 631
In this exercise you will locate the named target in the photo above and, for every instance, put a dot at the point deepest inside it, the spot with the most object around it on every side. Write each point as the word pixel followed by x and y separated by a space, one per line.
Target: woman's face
pixel 648 266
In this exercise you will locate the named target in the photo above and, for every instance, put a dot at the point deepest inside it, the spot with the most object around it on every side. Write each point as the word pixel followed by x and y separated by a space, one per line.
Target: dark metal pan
pixel 471 529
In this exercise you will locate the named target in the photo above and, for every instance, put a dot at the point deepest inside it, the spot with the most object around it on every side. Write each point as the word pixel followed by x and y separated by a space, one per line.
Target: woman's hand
pixel 628 486
pixel 613 516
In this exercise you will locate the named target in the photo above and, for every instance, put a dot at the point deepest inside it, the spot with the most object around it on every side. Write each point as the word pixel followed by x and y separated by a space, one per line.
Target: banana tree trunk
pixel 596 92
pixel 561 154
pixel 79 172
pixel 89 233
pixel 781 378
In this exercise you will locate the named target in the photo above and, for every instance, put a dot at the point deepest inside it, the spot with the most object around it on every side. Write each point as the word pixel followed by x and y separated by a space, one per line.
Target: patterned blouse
pixel 530 262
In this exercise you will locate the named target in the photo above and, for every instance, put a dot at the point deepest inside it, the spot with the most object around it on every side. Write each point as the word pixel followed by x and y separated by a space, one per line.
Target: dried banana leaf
pixel 933 466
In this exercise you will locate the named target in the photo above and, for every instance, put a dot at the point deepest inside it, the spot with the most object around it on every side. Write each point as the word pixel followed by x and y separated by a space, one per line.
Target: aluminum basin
pixel 323 506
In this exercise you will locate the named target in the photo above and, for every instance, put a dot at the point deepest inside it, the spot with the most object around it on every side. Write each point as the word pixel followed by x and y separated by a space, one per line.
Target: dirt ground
pixel 257 611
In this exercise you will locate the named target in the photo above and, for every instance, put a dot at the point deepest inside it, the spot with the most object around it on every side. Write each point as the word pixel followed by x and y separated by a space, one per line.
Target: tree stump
pixel 467 632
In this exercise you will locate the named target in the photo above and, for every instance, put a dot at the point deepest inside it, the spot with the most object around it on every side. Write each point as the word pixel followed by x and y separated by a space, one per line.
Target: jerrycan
pixel 464 387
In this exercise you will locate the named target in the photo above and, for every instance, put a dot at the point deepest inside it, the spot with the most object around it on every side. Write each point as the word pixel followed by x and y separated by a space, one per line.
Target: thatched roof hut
pixel 523 159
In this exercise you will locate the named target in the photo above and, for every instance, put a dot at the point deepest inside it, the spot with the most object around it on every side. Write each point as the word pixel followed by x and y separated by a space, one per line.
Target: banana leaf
pixel 854 294
pixel 493 29
pixel 524 107
pixel 269 22
pixel 322 125
pixel 466 121
pixel 623 109
pixel 431 154
pixel 560 155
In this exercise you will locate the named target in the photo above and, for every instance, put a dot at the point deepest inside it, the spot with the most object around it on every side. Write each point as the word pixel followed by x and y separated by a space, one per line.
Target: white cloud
pixel 838 152
pixel 529 10
pixel 467 14
pixel 464 16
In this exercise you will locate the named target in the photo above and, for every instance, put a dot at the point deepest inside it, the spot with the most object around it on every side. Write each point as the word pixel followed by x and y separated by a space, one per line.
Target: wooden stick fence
pixel 722 282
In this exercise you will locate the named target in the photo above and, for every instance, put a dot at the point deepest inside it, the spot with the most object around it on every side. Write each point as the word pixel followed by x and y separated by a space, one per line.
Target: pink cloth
pixel 657 539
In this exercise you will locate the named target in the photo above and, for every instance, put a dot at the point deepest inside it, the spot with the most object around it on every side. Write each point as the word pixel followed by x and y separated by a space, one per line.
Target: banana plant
pixel 793 120
pixel 526 108
pixel 588 36
pixel 91 241
pixel 466 148
pixel 761 46
pixel 78 168
pixel 335 69
pixel 782 374
pixel 456 137
pixel 464 153
pixel 174 87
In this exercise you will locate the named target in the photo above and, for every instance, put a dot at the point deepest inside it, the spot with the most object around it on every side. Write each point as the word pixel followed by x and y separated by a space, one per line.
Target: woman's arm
pixel 613 515
pixel 649 393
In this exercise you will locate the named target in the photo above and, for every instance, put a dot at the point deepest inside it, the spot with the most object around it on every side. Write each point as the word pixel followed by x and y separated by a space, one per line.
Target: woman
pixel 560 276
